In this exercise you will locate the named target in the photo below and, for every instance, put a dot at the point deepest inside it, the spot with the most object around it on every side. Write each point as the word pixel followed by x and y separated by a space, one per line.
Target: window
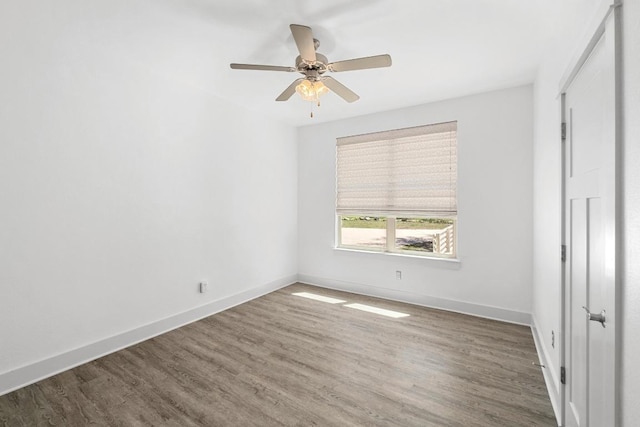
pixel 396 191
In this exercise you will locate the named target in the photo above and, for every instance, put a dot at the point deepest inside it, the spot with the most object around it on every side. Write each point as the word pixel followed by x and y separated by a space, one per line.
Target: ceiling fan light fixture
pixel 311 90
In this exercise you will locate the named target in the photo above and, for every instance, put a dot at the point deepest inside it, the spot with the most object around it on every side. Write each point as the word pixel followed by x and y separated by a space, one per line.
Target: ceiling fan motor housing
pixel 314 70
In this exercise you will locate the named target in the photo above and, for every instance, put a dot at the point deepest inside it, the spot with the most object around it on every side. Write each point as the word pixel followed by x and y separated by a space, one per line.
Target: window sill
pixel 395 254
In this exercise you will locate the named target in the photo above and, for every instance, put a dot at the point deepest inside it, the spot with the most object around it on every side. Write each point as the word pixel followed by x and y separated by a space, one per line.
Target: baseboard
pixel 29 374
pixel 479 310
pixel 549 372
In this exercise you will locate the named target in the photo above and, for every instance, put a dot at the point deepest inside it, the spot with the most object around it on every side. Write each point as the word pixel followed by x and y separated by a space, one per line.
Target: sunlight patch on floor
pixel 362 307
pixel 319 297
pixel 376 310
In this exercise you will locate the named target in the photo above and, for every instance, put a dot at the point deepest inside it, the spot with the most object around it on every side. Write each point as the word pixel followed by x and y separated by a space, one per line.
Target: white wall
pixel 122 185
pixel 630 373
pixel 493 277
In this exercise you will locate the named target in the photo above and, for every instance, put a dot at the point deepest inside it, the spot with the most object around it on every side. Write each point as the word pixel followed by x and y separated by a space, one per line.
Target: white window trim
pixel 395 254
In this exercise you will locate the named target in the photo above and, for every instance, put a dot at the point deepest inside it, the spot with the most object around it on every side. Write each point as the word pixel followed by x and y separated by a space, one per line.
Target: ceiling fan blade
pixel 284 96
pixel 340 89
pixel 304 40
pixel 378 61
pixel 261 67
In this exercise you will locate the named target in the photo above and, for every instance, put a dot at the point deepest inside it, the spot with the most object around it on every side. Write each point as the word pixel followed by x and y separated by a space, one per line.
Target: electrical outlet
pixel 203 287
pixel 553 339
pixel 398 274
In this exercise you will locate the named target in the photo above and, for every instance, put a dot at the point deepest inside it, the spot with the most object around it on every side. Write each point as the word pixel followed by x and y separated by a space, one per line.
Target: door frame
pixel 614 27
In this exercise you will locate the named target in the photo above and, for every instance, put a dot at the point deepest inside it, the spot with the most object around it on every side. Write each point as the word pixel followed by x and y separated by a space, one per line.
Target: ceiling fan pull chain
pixel 318 98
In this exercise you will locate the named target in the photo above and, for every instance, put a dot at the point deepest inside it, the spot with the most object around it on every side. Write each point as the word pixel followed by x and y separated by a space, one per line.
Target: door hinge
pixel 563 253
pixel 563 131
pixel 563 375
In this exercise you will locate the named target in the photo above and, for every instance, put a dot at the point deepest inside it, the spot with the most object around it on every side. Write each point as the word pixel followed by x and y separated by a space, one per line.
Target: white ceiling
pixel 440 49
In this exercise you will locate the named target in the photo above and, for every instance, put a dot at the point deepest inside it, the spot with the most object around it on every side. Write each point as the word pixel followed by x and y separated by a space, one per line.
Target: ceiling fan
pixel 313 65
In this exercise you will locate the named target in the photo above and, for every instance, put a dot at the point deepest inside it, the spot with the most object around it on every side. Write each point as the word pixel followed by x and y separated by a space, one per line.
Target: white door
pixel 590 237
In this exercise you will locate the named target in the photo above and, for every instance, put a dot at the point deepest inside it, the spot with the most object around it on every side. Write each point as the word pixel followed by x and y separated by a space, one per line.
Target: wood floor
pixel 287 360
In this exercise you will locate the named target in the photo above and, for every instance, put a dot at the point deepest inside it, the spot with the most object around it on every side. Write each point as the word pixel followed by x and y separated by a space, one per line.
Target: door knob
pixel 596 317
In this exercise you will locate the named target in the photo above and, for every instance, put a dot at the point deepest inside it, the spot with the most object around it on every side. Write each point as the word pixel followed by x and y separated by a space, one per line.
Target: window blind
pixel 403 172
